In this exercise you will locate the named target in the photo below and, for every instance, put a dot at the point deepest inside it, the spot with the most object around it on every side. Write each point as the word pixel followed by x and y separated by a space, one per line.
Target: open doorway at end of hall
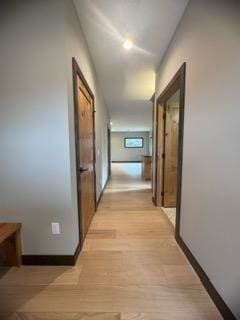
pixel 169 137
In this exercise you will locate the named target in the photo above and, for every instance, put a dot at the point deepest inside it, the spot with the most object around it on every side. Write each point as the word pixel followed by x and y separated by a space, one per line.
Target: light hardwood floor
pixel 130 268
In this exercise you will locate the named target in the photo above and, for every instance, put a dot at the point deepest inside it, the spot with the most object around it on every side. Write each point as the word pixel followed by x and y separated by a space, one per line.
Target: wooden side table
pixel 147 167
pixel 10 244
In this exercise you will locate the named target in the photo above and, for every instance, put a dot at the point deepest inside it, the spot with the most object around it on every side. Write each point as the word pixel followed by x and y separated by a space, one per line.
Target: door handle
pixel 83 169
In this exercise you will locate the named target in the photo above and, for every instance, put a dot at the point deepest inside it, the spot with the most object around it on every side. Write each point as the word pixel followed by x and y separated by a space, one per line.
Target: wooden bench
pixel 10 244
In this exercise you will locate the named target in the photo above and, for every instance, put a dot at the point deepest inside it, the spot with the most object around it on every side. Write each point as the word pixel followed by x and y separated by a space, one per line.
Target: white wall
pixel 119 153
pixel 37 163
pixel 76 47
pixel 208 39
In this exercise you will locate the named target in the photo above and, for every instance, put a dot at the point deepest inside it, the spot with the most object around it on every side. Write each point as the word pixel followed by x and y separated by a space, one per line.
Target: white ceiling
pixel 127 78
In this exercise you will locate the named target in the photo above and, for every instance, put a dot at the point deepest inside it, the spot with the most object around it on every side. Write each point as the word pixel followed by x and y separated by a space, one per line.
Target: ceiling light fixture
pixel 127 44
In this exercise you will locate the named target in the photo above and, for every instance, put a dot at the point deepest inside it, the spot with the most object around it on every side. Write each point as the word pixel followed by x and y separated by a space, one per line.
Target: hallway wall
pixel 119 153
pixel 208 40
pixel 75 46
pixel 37 159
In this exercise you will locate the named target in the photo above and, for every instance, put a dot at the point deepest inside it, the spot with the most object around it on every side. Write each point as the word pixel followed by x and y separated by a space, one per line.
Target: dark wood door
pixel 85 165
pixel 171 156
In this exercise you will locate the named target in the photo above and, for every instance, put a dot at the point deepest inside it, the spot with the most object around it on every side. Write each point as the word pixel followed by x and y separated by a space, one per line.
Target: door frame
pixel 177 82
pixel 109 150
pixel 77 72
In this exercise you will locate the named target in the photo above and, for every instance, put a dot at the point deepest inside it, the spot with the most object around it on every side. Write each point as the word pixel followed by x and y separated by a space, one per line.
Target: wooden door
pixel 85 165
pixel 171 156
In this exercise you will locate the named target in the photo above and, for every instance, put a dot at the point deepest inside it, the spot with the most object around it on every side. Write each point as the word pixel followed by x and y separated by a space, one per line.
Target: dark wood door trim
pixel 153 128
pixel 51 260
pixel 109 151
pixel 164 151
pixel 177 82
pixel 212 291
pixel 78 72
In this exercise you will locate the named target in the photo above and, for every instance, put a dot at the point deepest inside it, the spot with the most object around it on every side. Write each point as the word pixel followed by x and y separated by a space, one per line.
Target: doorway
pixel 169 144
pixel 85 150
pixel 171 137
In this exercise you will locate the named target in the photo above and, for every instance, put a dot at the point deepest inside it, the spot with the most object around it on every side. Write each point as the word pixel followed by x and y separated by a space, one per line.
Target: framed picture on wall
pixel 135 142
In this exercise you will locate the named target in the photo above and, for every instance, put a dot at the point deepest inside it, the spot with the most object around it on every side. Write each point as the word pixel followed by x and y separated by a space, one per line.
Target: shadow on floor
pixel 3 271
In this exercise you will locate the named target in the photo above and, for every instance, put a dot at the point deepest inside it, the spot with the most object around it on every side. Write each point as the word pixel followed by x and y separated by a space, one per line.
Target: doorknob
pixel 83 169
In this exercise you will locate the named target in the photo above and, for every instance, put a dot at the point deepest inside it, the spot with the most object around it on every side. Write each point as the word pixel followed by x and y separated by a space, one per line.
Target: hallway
pixel 150 87
pixel 130 268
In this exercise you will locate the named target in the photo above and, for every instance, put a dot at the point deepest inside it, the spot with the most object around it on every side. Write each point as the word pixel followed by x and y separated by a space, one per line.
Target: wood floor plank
pixel 99 298
pixel 101 234
pixel 123 275
pixel 162 316
pixel 61 316
pixel 131 244
pixel 36 275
